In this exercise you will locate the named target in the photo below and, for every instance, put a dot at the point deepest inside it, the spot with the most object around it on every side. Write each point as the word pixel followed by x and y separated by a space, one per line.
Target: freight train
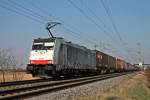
pixel 54 57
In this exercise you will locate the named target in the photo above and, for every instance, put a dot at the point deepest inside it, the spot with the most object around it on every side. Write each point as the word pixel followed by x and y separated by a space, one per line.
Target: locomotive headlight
pixel 50 61
pixel 31 62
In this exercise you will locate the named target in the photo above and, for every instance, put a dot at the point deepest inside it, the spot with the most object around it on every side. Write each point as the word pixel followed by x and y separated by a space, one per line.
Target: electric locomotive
pixel 55 57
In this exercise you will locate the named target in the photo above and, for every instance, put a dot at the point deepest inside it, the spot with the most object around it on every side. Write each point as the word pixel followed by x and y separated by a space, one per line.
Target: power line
pixel 36 19
pixel 66 26
pixel 23 12
pixel 89 18
pixel 19 13
pixel 41 16
pixel 39 8
pixel 47 13
pixel 24 15
pixel 28 10
pixel 27 13
pixel 89 41
pixel 76 32
pixel 96 16
pixel 108 11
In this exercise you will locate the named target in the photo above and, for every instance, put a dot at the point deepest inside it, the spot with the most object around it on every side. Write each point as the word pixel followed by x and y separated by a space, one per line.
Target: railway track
pixel 5 84
pixel 32 88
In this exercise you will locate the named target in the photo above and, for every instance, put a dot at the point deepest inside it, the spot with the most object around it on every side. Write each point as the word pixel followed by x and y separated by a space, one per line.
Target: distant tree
pixel 4 61
pixel 8 62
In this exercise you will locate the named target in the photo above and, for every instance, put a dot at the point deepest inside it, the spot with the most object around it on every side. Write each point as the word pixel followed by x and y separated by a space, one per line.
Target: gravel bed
pixel 83 90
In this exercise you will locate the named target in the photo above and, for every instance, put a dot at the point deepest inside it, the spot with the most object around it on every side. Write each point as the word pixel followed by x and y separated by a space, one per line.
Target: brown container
pixel 111 62
pixel 130 67
pixel 101 59
pixel 119 64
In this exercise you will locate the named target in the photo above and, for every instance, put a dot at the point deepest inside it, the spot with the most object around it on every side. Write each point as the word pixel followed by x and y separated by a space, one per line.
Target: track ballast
pixel 32 89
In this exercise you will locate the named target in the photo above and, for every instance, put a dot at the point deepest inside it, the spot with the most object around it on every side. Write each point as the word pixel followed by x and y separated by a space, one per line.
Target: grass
pixel 133 89
pixel 139 92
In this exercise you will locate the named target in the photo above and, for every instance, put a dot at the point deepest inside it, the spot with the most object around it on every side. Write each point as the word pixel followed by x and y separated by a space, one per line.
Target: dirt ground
pixel 7 76
pixel 133 89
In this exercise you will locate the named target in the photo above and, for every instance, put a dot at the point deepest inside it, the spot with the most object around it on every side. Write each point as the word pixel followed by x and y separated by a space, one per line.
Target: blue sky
pixel 131 18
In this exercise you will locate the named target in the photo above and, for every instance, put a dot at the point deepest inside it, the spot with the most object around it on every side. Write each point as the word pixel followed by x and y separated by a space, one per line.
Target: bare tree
pixel 7 63
pixel 3 61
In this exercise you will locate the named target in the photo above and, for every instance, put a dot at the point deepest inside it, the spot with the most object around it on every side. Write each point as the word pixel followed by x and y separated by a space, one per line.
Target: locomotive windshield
pixel 43 46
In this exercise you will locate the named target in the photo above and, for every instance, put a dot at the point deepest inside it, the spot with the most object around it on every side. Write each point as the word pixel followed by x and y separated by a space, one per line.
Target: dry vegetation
pixel 7 76
pixel 10 67
pixel 147 73
pixel 133 89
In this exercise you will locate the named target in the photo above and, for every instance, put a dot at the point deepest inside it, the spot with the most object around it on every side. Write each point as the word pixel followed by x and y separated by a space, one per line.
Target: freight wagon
pixel 104 63
pixel 119 65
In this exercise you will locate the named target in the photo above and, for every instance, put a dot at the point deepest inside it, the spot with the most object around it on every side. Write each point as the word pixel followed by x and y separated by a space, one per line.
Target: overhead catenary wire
pixel 86 15
pixel 67 27
pixel 22 14
pixel 108 11
pixel 89 18
pixel 40 9
pixel 96 16
pixel 37 19
pixel 26 16
pixel 28 10
pixel 69 30
pixel 109 14
pixel 32 15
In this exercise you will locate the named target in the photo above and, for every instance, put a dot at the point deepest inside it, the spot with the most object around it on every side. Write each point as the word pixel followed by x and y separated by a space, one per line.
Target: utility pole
pixel 51 25
pixel 141 59
pixel 95 46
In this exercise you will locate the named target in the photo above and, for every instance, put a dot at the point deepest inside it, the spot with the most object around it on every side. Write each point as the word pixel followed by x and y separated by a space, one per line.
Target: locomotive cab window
pixel 43 46
pixel 37 46
pixel 49 45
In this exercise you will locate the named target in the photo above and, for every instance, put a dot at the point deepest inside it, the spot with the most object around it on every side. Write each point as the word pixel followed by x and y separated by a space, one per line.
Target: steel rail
pixel 9 91
pixel 41 83
pixel 23 82
pixel 34 90
pixel 13 83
